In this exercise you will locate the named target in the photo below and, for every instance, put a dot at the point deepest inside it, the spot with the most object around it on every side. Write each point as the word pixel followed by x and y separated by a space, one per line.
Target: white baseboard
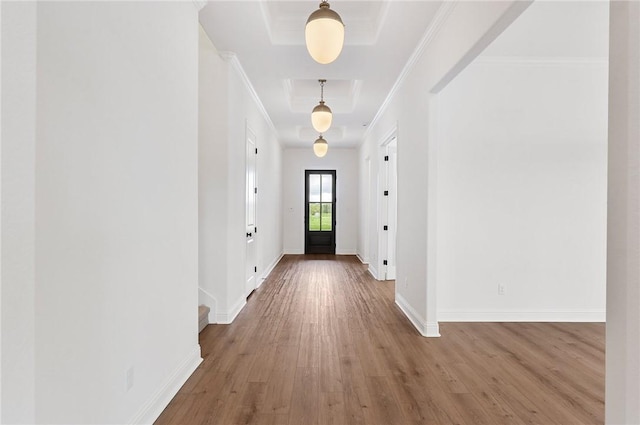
pixel 432 329
pixel 521 316
pixel 269 269
pixel 152 409
pixel 346 252
pixel 205 298
pixel 227 318
pixel 428 329
pixel 361 260
pixel 372 271
pixel 293 251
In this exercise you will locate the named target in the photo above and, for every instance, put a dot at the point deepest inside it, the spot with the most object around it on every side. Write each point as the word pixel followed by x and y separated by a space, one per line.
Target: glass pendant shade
pixel 320 147
pixel 324 34
pixel 321 117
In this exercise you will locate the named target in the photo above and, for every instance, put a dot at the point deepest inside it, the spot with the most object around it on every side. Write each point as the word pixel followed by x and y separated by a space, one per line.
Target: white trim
pixel 521 316
pixel 382 17
pixel 372 271
pixel 383 201
pixel 205 298
pixel 269 269
pixel 433 142
pixel 391 134
pixel 428 329
pixel 498 27
pixel 152 409
pixel 540 60
pixel 266 17
pixel 252 246
pixel 232 58
pixel 229 317
pixel 199 4
pixel 436 24
pixel 432 329
pixel 361 260
pixel 2 214
pixel 293 251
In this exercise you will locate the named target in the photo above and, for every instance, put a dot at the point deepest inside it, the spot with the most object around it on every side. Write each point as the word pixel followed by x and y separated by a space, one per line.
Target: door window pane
pixel 327 217
pixel 327 186
pixel 314 187
pixel 314 216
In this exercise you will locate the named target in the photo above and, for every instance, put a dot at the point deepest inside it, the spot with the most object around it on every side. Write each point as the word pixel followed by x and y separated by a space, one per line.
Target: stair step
pixel 203 317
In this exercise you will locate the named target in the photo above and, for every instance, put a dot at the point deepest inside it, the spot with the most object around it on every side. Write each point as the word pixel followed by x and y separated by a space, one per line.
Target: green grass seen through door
pixel 314 222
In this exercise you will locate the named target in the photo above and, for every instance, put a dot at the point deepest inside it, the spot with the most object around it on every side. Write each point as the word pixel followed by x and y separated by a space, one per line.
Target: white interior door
pixel 388 210
pixel 252 191
pixel 392 209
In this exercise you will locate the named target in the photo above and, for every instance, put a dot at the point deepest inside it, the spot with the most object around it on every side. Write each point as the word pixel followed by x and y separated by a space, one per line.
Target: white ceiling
pixel 268 39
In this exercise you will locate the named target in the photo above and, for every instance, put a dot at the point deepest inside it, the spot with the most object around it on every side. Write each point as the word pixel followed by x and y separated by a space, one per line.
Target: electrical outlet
pixel 129 379
pixel 500 289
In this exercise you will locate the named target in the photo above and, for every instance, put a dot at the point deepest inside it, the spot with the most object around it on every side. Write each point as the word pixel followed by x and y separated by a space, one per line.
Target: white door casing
pixel 251 195
pixel 392 208
pixel 388 208
pixel 367 214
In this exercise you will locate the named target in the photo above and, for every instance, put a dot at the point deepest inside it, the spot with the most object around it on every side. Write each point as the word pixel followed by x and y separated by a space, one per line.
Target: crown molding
pixel 227 56
pixel 435 26
pixel 199 4
pixel 233 60
pixel 540 60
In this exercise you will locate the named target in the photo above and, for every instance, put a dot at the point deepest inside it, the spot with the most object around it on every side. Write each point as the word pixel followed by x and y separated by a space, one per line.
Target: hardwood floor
pixel 321 342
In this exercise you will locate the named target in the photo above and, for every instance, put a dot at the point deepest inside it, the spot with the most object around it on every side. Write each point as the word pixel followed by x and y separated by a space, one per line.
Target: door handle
pixel 249 235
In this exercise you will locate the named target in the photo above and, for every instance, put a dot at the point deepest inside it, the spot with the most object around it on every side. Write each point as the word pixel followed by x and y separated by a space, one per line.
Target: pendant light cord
pixel 322 90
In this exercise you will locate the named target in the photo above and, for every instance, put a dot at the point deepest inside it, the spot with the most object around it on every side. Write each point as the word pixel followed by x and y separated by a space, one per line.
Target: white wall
pixel 18 210
pixel 213 169
pixel 112 189
pixel 1 214
pixel 228 106
pixel 522 191
pixel 623 244
pixel 269 202
pixel 459 32
pixel 345 162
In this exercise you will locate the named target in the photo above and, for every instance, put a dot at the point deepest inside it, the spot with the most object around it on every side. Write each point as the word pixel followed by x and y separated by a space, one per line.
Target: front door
pixel 320 212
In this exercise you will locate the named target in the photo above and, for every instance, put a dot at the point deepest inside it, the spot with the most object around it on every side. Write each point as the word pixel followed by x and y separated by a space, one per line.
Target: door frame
pixel 307 173
pixel 251 150
pixel 383 203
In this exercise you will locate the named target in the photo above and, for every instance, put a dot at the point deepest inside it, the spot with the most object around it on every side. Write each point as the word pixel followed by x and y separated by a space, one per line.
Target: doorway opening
pixel 320 212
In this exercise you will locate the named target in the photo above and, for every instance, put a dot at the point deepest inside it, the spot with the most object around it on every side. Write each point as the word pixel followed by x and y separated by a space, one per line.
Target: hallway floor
pixel 321 342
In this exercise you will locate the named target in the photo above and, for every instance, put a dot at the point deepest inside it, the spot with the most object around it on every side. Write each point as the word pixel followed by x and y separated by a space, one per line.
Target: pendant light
pixel 324 34
pixel 321 116
pixel 320 147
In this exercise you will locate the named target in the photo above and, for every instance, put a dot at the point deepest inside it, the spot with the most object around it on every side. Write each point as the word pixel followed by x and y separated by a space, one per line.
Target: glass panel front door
pixel 320 202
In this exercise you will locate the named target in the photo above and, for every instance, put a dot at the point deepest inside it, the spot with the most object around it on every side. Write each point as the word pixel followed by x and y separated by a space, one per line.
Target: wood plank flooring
pixel 321 342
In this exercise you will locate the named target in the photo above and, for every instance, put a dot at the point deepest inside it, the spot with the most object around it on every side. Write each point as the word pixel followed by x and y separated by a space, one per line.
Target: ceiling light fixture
pixel 321 115
pixel 324 34
pixel 320 147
